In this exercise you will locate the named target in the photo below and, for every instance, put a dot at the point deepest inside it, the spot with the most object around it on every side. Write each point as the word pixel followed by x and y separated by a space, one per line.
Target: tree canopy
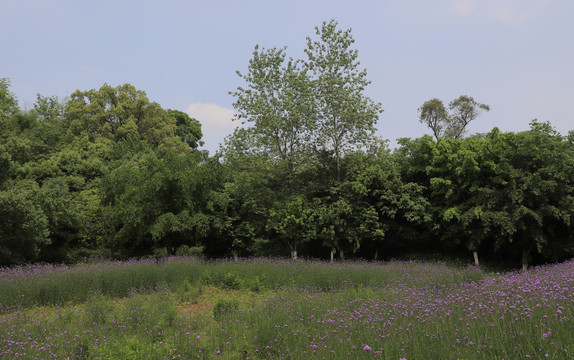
pixel 108 172
pixel 453 125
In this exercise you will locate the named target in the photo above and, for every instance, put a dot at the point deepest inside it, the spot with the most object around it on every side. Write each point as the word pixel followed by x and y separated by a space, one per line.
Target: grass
pixel 277 309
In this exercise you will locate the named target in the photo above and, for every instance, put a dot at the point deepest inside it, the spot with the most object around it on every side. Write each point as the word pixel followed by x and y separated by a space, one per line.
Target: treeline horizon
pixel 67 194
pixel 110 173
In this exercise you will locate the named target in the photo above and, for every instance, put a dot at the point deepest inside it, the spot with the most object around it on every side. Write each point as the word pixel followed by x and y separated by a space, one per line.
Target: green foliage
pixel 160 201
pixel 110 173
pixel 152 313
pixel 346 118
pixel 188 292
pixel 48 108
pixel 187 128
pixel 119 113
pixel 98 309
pixel 5 165
pixel 24 226
pixel 279 104
pixel 232 281
pixel 185 250
pixel 357 296
pixel 453 125
pixel 464 109
pixel 130 348
pixel 289 220
pixel 225 307
pixel 434 115
pixel 8 101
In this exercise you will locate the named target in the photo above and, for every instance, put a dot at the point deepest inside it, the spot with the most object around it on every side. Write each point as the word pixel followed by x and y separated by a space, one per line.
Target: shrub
pixel 185 250
pixel 232 281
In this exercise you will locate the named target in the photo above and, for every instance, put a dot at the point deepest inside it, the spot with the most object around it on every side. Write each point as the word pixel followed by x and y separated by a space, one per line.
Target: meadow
pixel 187 308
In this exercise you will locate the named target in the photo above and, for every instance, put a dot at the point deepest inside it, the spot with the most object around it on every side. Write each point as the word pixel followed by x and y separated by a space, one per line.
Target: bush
pixel 185 250
pixel 232 281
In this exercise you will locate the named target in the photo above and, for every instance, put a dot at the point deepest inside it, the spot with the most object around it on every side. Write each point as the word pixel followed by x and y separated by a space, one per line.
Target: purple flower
pixel 367 348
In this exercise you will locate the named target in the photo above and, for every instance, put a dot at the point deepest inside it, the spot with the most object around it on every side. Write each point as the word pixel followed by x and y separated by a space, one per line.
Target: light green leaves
pixel 453 124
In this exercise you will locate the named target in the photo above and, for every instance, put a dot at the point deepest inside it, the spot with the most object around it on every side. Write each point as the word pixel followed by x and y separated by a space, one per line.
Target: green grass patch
pixel 266 309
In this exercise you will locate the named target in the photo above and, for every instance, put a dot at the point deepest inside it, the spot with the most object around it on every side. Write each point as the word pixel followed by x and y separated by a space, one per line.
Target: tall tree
pixel 346 118
pixel 289 219
pixel 155 202
pixel 23 224
pixel 278 103
pixel 434 115
pixel 453 124
pixel 464 109
pixel 120 113
pixel 48 107
pixel 534 177
pixel 383 205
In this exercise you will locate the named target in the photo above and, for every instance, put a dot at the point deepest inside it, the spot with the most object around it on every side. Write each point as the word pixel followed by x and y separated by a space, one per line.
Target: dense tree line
pixel 109 172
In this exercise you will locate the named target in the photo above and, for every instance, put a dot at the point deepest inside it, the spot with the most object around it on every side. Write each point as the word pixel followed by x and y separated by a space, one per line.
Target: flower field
pixel 183 308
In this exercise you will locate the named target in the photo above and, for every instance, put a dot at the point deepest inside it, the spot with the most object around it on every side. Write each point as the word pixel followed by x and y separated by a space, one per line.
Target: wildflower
pixel 367 348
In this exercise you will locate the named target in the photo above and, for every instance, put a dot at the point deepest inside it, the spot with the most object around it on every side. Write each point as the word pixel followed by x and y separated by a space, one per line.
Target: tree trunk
pixel 341 254
pixel 293 248
pixel 235 255
pixel 332 253
pixel 338 169
pixel 376 254
pixel 525 254
pixel 475 254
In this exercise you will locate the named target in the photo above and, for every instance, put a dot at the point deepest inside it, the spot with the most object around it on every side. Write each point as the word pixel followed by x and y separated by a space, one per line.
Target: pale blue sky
pixel 515 55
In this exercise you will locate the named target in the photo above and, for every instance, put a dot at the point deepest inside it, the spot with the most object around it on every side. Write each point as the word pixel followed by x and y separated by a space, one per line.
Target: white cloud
pixel 463 7
pixel 216 123
pixel 507 11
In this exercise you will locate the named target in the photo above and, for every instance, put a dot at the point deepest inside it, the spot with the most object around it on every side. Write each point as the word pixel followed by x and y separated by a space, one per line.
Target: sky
pixel 517 56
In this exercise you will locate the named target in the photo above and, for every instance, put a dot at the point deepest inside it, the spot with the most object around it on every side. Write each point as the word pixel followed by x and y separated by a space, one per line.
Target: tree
pixel 5 165
pixel 48 108
pixel 453 174
pixel 61 207
pixel 289 219
pixel 434 115
pixel 8 101
pixel 120 113
pixel 23 224
pixel 345 116
pixel 187 128
pixel 383 205
pixel 278 104
pixel 463 109
pixel 534 189
pixel 331 223
pixel 451 125
pixel 240 212
pixel 153 202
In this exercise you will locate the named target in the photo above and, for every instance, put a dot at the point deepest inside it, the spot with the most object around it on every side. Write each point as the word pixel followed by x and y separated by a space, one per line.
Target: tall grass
pixel 40 285
pixel 397 310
